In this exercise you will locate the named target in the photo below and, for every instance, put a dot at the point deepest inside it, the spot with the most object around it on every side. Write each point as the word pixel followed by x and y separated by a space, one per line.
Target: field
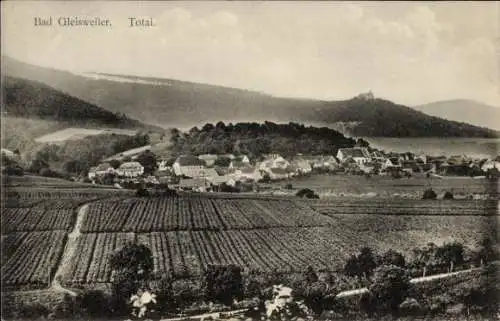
pixel 79 133
pixel 187 233
pixel 387 187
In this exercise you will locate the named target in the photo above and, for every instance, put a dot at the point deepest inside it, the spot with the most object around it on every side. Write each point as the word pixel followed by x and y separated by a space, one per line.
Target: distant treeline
pixel 255 139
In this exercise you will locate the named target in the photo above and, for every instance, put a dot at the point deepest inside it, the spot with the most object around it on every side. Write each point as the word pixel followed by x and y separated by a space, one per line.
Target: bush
pixel 33 311
pixel 429 194
pixel 95 303
pixel 307 193
pixel 223 283
pixel 410 307
pixel 142 192
pixel 448 196
pixel 390 286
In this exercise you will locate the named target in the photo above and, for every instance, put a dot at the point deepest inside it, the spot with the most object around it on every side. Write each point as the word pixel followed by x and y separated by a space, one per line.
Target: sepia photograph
pixel 250 160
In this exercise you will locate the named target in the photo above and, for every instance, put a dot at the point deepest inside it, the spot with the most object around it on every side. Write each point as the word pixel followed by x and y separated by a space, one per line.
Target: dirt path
pixel 211 315
pixel 415 280
pixel 69 252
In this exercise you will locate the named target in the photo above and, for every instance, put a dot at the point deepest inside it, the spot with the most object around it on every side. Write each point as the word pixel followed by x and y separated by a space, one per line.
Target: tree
pixel 311 275
pixel 366 261
pixel 450 254
pixel 115 163
pixel 392 257
pixel 38 164
pixel 390 287
pixel 75 166
pixel 131 266
pixel 424 257
pixel 222 161
pixel 352 268
pixel 223 283
pixel 486 253
pixel 148 160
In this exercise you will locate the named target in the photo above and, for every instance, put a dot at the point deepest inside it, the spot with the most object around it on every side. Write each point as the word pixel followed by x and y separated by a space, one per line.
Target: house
pixel 209 159
pixel 391 163
pixel 300 166
pixel 378 156
pixel 248 173
pixel 163 166
pixel 410 166
pixel 421 158
pixel 242 158
pixel 278 173
pixel 200 173
pixel 130 169
pixel 359 154
pixel 239 162
pixel 194 184
pixel 325 162
pixel 458 160
pixel 101 170
pixel 490 164
pixel 186 165
pixel 369 167
pixel 273 161
pixel 224 179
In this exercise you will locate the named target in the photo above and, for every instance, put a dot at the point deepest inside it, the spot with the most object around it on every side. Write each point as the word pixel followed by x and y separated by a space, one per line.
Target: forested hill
pixel 31 99
pixel 380 117
pixel 256 139
pixel 175 103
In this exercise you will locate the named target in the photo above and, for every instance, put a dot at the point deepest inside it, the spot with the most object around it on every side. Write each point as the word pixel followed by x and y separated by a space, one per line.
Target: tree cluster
pixel 256 139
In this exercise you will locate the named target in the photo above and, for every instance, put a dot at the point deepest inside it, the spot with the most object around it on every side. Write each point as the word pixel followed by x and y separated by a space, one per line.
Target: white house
pixel 490 164
pixel 360 155
pixel 279 173
pixel 130 169
pixel 101 170
pixel 188 166
pixel 391 162
pixel 162 166
pixel 273 161
pixel 247 173
pixel 239 162
pixel 300 165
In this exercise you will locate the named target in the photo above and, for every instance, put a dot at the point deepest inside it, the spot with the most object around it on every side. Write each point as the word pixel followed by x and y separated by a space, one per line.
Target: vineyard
pixel 198 213
pixel 187 233
pixel 36 219
pixel 289 249
pixel 30 258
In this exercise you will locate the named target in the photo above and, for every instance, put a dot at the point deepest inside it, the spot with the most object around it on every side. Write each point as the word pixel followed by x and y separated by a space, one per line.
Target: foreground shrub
pixel 95 303
pixel 390 287
pixel 34 310
pixel 223 283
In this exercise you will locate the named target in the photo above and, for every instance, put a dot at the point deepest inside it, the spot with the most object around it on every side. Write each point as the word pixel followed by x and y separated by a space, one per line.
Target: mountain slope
pixel 464 110
pixel 31 99
pixel 169 102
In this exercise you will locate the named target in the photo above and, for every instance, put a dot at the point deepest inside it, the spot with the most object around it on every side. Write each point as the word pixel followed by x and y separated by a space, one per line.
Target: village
pixel 222 173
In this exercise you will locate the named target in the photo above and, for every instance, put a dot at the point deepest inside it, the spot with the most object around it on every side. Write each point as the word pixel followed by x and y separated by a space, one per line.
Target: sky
pixel 411 53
